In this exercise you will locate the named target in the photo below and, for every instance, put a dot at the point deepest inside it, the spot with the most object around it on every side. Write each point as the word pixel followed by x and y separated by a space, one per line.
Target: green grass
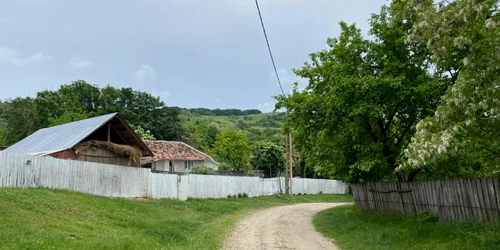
pixel 353 228
pixel 52 219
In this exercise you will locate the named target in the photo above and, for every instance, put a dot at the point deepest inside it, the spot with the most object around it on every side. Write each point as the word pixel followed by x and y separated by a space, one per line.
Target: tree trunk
pixel 412 174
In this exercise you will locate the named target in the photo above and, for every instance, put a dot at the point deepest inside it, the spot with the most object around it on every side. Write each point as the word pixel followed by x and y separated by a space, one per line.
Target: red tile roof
pixel 175 150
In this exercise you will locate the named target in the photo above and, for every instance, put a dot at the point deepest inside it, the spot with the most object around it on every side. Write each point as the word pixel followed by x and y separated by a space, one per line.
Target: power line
pixel 269 47
pixel 288 143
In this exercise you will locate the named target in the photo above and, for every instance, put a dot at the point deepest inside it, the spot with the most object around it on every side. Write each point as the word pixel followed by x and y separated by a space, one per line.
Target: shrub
pixel 202 169
pixel 427 217
pixel 240 195
pixel 245 195
pixel 320 192
pixel 229 196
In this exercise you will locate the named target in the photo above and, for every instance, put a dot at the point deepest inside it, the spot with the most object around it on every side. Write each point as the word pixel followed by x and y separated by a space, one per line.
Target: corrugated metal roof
pixel 58 138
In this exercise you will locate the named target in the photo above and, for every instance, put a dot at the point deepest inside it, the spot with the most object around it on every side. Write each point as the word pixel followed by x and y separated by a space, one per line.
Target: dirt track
pixel 286 227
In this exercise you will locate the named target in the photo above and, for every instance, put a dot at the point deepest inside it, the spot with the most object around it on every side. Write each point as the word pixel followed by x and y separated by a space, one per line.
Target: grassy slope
pixel 226 122
pixel 51 219
pixel 356 229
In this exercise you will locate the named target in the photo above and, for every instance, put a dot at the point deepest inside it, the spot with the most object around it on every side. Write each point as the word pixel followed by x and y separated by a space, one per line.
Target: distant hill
pixel 249 121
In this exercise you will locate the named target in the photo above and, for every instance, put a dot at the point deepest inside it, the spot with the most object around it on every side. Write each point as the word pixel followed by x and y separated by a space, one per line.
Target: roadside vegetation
pixel 353 228
pixel 52 219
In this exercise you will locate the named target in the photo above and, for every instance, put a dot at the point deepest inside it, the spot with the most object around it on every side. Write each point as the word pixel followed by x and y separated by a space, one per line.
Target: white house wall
pixel 119 181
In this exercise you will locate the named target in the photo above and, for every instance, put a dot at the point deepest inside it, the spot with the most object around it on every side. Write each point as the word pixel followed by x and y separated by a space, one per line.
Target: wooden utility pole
pixel 289 160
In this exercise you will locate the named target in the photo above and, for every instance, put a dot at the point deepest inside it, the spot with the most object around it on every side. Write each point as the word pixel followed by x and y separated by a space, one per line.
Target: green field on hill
pixel 52 219
pixel 258 121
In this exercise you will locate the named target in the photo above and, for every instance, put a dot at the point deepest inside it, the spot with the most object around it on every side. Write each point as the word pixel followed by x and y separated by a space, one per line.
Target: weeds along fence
pixel 120 181
pixel 450 200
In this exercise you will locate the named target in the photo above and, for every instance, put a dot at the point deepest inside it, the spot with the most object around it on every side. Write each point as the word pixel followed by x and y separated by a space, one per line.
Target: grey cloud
pixel 11 57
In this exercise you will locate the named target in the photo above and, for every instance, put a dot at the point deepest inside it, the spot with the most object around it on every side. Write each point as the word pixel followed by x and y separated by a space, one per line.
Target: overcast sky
pixel 191 53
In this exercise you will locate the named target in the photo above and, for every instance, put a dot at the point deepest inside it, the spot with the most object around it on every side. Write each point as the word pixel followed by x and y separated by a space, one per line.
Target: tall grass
pixel 353 228
pixel 51 219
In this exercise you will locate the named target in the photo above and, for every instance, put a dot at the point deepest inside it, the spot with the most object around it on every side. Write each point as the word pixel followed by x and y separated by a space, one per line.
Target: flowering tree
pixel 462 138
pixel 364 98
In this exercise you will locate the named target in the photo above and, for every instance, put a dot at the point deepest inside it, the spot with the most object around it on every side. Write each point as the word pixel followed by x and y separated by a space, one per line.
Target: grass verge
pixel 353 228
pixel 53 219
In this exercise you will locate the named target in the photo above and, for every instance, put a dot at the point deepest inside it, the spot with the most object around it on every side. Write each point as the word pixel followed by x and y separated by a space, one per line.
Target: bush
pixel 202 169
pixel 320 192
pixel 229 196
pixel 240 195
pixel 251 173
pixel 245 195
pixel 428 217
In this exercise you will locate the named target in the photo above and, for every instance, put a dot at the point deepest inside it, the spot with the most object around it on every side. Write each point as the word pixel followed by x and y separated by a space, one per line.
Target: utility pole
pixel 289 160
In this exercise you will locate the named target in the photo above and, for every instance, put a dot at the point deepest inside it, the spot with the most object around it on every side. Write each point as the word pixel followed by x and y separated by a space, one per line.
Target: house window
pixel 188 164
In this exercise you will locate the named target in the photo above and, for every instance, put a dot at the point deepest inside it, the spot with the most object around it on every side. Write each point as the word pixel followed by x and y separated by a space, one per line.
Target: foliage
pixel 21 119
pixel 353 228
pixel 363 99
pixel 54 219
pixel 79 100
pixel 67 117
pixel 267 156
pixel 462 138
pixel 3 142
pixel 143 134
pixel 233 150
pixel 202 169
pixel 224 112
pixel 201 136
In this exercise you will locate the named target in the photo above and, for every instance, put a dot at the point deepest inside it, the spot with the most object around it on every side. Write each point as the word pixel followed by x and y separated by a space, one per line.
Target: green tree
pixel 267 156
pixel 67 117
pixel 461 138
pixel 21 119
pixel 143 134
pixel 364 99
pixel 79 100
pixel 195 137
pixel 210 133
pixel 233 151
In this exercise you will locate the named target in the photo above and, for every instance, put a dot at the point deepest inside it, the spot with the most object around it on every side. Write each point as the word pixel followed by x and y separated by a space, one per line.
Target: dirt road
pixel 286 227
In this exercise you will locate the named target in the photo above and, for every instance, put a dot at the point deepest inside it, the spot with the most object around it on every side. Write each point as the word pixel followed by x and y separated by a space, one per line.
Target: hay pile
pixel 134 153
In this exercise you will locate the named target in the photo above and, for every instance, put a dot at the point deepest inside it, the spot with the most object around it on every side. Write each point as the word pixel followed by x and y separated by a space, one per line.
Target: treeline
pixel 240 149
pixel 20 117
pixel 222 112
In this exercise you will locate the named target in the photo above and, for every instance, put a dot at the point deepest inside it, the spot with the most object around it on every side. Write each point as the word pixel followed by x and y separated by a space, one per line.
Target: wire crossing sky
pixel 191 53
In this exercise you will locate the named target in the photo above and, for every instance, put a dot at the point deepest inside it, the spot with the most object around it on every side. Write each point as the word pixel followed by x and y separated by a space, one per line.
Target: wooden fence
pixel 450 200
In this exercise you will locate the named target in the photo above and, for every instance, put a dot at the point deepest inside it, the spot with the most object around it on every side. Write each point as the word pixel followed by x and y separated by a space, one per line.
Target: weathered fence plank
pixel 450 200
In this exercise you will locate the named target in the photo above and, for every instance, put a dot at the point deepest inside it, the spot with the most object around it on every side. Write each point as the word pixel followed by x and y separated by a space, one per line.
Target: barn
pixel 104 139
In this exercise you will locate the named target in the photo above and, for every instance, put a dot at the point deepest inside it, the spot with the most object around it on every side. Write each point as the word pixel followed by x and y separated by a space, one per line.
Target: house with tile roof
pixel 175 157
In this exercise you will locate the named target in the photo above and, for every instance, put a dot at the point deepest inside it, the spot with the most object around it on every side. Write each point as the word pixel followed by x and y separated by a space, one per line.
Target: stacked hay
pixel 133 153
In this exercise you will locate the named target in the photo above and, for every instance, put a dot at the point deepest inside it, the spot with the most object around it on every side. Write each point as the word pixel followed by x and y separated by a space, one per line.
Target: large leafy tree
pixel 233 150
pixel 364 99
pixel 80 100
pixel 267 156
pixel 462 138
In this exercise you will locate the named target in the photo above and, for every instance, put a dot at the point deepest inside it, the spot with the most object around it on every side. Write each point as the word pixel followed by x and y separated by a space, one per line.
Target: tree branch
pixel 402 136
pixel 391 117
